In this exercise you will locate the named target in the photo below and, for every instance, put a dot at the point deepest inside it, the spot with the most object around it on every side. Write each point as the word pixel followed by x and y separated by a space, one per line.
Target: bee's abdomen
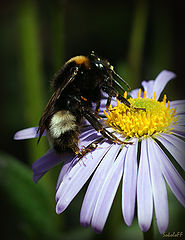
pixel 61 122
pixel 63 132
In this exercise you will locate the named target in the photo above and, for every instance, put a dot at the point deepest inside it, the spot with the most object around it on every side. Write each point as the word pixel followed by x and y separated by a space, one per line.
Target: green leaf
pixel 28 204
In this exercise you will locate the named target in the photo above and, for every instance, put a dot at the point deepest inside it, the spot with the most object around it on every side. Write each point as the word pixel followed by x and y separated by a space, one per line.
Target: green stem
pixel 137 40
pixel 31 71
pixel 57 38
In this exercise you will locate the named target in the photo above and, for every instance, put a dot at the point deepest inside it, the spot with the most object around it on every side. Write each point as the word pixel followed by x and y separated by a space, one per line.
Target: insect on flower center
pixel 131 122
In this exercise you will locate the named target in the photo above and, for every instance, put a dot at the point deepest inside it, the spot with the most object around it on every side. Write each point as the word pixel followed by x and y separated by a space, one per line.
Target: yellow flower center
pixel 132 122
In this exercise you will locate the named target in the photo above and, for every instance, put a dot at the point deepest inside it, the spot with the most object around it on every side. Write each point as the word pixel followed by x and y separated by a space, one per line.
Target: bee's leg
pixel 127 103
pixel 97 108
pixel 89 148
pixel 111 91
pixel 90 116
pixel 108 102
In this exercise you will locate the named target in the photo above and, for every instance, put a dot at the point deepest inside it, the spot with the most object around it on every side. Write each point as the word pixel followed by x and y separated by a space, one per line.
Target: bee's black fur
pixel 76 86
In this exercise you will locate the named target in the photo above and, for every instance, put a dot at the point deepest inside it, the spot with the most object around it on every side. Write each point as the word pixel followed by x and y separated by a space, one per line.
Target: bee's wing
pixel 66 81
pixel 49 109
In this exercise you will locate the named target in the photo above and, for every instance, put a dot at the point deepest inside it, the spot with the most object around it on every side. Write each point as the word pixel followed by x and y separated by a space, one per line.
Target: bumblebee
pixel 76 86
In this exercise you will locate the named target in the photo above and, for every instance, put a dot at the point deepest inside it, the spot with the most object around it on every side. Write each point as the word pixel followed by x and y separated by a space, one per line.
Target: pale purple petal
pixel 89 139
pixel 148 87
pixel 160 82
pixel 173 178
pixel 46 162
pixel 85 128
pixel 91 131
pixel 87 133
pixel 178 128
pixel 74 180
pixel 66 168
pixel 69 164
pixel 129 183
pixel 104 102
pixel 177 103
pixel 179 133
pixel 181 120
pixel 158 187
pixel 96 184
pixel 27 133
pixel 144 190
pixel 106 196
pixel 134 93
pixel 180 108
pixel 175 146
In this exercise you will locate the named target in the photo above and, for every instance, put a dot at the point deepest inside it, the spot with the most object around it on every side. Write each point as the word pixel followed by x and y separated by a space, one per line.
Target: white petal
pixel 74 180
pixel 158 187
pixel 129 184
pixel 144 191
pixel 173 178
pixel 96 184
pixel 175 146
pixel 161 80
pixel 148 87
pixel 106 196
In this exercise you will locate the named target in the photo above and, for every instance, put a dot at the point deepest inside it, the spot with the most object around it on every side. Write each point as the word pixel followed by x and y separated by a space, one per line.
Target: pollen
pixel 131 122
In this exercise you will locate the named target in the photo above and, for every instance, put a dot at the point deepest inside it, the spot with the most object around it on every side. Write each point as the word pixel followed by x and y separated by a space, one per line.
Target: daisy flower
pixel 143 167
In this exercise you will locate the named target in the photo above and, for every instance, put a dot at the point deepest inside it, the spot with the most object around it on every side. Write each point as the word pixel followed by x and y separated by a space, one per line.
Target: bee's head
pixel 104 69
pixel 101 66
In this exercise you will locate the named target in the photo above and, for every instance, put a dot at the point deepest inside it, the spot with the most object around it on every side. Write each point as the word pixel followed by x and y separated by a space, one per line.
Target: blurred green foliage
pixel 140 38
pixel 30 211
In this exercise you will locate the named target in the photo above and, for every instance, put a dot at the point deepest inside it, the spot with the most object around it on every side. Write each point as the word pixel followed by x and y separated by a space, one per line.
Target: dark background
pixel 140 38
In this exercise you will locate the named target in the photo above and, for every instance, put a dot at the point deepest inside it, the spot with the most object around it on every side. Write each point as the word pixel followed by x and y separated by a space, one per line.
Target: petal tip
pixel 144 227
pixel 34 178
pixel 97 230
pixel 84 224
pixel 128 222
pixel 15 137
pixel 162 229
pixel 172 74
pixel 59 209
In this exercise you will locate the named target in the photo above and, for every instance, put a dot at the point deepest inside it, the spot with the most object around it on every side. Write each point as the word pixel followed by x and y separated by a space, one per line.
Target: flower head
pixel 158 117
pixel 142 167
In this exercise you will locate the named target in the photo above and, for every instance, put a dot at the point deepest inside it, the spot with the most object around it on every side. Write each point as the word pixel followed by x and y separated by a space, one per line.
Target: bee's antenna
pixel 119 85
pixel 120 78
